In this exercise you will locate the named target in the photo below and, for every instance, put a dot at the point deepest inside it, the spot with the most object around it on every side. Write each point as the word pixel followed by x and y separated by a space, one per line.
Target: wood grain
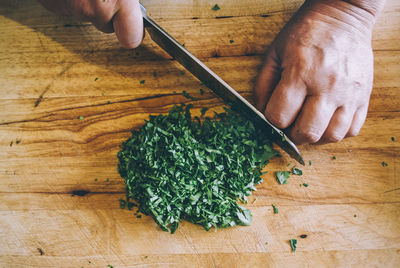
pixel 54 70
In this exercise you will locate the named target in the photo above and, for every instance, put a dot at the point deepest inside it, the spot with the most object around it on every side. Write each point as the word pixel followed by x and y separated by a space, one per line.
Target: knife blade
pixel 219 86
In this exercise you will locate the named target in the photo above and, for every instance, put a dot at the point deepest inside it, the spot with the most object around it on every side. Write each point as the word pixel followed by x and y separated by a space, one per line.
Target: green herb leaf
pixel 282 176
pixel 310 162
pixel 81 117
pixel 216 7
pixel 384 164
pixel 297 171
pixel 186 95
pixel 334 157
pixel 305 184
pixel 275 209
pixel 293 244
pixel 231 41
pixel 142 82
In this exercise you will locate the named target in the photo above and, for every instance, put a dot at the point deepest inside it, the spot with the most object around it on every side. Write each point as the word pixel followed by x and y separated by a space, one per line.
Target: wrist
pixel 350 14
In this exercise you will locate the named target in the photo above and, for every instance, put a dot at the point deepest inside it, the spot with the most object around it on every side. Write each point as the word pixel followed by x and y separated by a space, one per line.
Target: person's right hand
pixel 123 17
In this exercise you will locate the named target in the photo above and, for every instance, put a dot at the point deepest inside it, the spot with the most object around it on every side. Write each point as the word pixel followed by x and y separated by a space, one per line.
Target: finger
pixel 128 24
pixel 286 101
pixel 338 126
pixel 313 120
pixel 267 79
pixel 358 121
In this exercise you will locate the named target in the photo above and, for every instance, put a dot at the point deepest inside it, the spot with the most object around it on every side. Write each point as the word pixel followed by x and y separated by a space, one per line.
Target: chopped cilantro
pixel 142 82
pixel 155 74
pixel 176 168
pixel 303 236
pixel 201 91
pixel 310 162
pixel 108 102
pixel 293 244
pixel 107 179
pixel 275 209
pixel 231 41
pixel 216 7
pixel 384 164
pixel 305 184
pixel 392 138
pixel 183 72
pixel 108 265
pixel 297 171
pixel 81 117
pixel 96 79
pixel 334 157
pixel 95 179
pixel 282 176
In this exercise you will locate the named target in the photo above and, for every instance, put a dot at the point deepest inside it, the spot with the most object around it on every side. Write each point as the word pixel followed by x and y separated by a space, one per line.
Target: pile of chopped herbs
pixel 176 167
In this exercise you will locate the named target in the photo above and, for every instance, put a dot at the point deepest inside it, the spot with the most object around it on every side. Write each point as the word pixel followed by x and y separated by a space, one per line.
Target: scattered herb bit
pixel 203 111
pixel 95 179
pixel 288 165
pixel 146 257
pixel 216 7
pixel 231 41
pixel 107 179
pixel 155 74
pixel 81 117
pixel 80 192
pixel 186 95
pixel 122 203
pixel 355 216
pixel 138 216
pixel 201 91
pixel 392 138
pixel 334 157
pixel 11 143
pixel 283 137
pixel 293 244
pixel 183 44
pixel 177 168
pixel 108 102
pixel 255 199
pixel 183 72
pixel 275 209
pixel 17 141
pixel 96 79
pixel 310 162
pixel 384 164
pixel 282 176
pixel 305 184
pixel 142 82
pixel 297 171
pixel 108 265
pixel 303 236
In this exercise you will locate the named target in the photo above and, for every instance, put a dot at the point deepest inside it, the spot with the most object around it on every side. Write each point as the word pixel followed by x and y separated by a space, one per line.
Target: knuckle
pixel 277 118
pixel 335 137
pixel 353 132
pixel 309 136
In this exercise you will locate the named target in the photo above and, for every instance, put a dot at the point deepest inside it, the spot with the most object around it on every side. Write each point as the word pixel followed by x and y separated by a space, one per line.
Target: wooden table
pixel 54 70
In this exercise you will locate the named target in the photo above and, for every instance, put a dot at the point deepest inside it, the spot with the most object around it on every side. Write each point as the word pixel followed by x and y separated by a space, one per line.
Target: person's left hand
pixel 317 77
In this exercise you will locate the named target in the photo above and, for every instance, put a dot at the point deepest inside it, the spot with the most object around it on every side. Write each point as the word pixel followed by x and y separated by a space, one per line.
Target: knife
pixel 219 86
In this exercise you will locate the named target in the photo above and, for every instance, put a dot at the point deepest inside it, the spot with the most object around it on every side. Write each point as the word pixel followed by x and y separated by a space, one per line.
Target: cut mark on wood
pixel 41 252
pixel 80 192
pixel 224 17
pixel 396 189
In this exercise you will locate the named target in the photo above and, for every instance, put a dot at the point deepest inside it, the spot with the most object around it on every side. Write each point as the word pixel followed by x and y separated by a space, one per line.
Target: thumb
pixel 128 24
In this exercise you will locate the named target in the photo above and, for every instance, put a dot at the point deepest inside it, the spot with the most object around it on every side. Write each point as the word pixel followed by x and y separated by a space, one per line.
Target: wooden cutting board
pixel 54 70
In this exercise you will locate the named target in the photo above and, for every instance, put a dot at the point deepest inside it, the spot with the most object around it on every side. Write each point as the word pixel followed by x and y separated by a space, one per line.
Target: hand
pixel 317 76
pixel 122 16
